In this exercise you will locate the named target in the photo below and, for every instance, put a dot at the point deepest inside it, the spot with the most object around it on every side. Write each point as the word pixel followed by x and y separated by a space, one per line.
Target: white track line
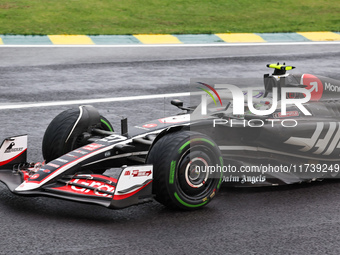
pixel 91 101
pixel 101 100
pixel 172 45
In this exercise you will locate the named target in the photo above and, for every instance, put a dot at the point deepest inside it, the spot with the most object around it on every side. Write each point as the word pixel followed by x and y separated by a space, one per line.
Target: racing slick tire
pixel 56 140
pixel 179 160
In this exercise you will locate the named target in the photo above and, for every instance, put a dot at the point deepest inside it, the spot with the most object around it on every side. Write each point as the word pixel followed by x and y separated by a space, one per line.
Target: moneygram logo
pixel 237 98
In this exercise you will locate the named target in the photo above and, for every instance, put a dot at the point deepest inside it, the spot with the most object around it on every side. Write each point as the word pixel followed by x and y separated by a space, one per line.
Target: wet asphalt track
pixel 299 219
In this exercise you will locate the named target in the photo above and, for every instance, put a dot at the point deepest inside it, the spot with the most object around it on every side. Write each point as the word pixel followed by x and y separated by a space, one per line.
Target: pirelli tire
pixel 179 161
pixel 56 140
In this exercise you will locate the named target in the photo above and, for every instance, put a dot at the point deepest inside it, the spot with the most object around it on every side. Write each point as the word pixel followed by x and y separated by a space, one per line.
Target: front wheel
pixel 187 169
pixel 64 135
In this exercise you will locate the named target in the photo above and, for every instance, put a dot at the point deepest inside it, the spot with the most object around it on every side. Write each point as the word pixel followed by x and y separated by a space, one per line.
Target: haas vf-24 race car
pixel 171 159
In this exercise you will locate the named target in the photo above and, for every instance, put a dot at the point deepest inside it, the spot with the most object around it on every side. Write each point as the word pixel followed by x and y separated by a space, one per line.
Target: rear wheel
pixel 181 163
pixel 60 136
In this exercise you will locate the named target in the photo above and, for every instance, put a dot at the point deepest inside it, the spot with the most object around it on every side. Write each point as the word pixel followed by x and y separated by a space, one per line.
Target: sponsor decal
pixel 92 146
pixel 11 148
pixel 94 184
pixel 35 176
pixel 314 86
pixel 71 155
pixel 44 170
pixel 330 87
pixel 323 144
pixel 81 152
pixel 175 119
pixel 287 115
pixel 151 125
pixel 113 138
pixel 141 128
pixel 137 173
pixel 62 160
pixel 53 165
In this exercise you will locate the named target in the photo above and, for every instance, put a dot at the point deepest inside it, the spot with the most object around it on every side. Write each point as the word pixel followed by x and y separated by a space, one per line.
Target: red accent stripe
pixel 120 197
pixel 218 96
pixel 67 188
pixel 11 159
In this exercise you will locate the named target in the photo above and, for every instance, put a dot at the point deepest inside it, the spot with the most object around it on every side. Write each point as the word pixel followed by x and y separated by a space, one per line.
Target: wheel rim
pixel 194 180
pixel 196 173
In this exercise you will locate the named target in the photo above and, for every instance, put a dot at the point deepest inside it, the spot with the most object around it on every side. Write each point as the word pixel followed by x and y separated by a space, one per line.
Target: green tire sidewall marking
pixel 204 140
pixel 183 146
pixel 186 204
pixel 106 124
pixel 219 184
pixel 172 172
pixel 194 140
pixel 173 169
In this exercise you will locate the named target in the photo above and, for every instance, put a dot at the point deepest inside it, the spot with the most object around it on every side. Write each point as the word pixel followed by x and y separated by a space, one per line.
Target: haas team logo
pixel 321 144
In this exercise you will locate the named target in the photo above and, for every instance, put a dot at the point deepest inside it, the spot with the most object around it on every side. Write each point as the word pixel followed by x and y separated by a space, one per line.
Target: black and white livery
pixel 171 159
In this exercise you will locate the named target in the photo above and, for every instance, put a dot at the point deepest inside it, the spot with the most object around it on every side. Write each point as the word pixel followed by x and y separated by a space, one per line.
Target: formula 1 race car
pixel 181 161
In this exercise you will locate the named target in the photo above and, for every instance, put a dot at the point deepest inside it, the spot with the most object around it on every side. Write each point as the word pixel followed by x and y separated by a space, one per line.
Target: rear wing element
pixel 13 150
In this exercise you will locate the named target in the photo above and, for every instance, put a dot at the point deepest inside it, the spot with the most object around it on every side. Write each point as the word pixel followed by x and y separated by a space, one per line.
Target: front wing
pixel 134 186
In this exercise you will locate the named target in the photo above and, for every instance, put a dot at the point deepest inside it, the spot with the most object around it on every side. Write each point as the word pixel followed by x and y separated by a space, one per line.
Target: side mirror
pixel 176 102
